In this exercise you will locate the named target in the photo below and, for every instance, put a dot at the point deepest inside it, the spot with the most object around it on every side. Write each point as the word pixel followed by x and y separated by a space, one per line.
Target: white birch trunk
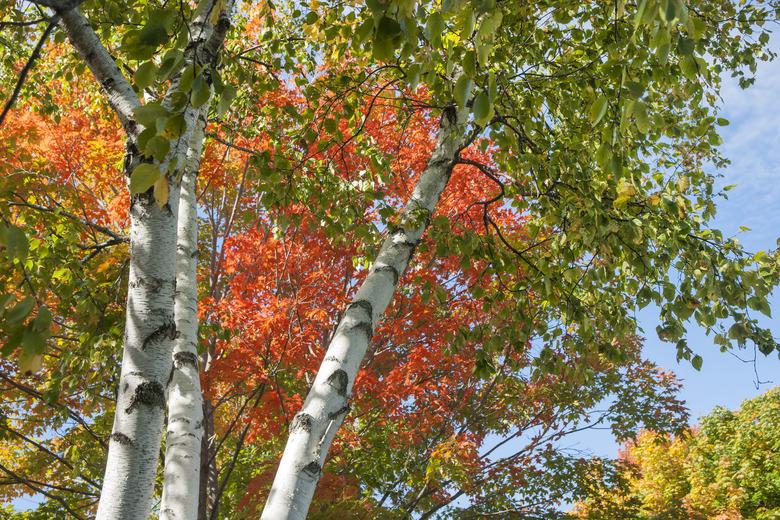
pixel 327 403
pixel 185 403
pixel 134 445
pixel 150 328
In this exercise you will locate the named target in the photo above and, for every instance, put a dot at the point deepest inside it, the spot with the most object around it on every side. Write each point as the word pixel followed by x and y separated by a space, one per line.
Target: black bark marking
pixel 166 330
pixel 411 245
pixel 339 380
pixel 363 304
pixel 182 419
pixel 121 438
pixel 150 393
pixel 152 283
pixel 344 410
pixel 390 269
pixel 365 328
pixel 302 421
pixel 312 469
pixel 451 114
pixel 185 358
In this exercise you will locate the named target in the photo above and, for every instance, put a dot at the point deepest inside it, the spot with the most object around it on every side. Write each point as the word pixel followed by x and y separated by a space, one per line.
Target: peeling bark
pixel 327 403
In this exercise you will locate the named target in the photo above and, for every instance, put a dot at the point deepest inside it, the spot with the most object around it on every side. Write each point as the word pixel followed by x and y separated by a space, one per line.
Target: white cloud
pixel 752 143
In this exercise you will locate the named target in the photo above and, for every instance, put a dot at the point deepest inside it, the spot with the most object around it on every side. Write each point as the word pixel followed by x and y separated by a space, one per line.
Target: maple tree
pixel 557 184
pixel 726 467
pixel 252 307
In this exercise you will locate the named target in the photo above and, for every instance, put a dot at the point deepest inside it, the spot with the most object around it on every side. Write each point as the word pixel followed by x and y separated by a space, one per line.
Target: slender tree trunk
pixel 327 403
pixel 150 331
pixel 185 404
pixel 146 365
pixel 149 327
pixel 208 464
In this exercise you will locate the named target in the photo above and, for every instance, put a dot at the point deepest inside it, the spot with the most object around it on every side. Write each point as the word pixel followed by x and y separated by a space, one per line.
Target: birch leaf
pixel 161 191
pixel 143 177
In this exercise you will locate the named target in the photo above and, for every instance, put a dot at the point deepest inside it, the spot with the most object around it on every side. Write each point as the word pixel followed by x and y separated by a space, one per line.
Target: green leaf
pixel 43 320
pixel 187 77
pixel 145 75
pixel 640 13
pixel 598 109
pixel 470 64
pixel 697 362
pixel 490 24
pixel 157 147
pixel 15 242
pixel 483 109
pixel 153 33
pixel 170 64
pixel 468 23
pixel 689 67
pixel 201 92
pixel 20 310
pixel 143 177
pixel 148 114
pixel 483 53
pixel 382 49
pixel 387 28
pixel 413 76
pixel 30 363
pixel 227 97
pixel 434 28
pixel 175 126
pixel 33 342
pixel 462 90
pixel 641 118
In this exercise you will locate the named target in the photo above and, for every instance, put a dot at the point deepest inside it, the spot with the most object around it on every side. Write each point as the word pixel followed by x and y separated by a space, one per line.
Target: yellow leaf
pixel 30 364
pixel 161 191
pixel 626 189
pixel 216 10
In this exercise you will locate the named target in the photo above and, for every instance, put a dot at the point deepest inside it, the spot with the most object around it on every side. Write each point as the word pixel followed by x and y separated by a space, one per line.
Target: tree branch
pixel 97 227
pixel 121 95
pixel 40 490
pixel 53 21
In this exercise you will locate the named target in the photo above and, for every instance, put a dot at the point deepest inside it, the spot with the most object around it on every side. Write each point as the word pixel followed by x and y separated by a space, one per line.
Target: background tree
pixel 727 467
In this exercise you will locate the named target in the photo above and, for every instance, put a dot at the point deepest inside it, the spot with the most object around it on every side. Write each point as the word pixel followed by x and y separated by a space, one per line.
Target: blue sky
pixel 752 143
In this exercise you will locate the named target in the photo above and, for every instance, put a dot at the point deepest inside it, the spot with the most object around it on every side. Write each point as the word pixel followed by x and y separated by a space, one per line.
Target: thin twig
pixel 53 21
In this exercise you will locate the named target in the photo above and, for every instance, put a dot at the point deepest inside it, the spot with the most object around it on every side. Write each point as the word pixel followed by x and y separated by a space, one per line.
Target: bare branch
pixel 53 21
pixel 97 227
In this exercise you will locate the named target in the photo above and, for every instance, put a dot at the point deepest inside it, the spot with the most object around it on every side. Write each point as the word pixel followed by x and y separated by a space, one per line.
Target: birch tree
pixel 612 181
pixel 181 482
pixel 157 137
pixel 314 427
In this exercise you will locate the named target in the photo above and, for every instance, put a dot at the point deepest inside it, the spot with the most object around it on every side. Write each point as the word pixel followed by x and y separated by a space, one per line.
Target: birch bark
pixel 327 403
pixel 150 329
pixel 185 403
